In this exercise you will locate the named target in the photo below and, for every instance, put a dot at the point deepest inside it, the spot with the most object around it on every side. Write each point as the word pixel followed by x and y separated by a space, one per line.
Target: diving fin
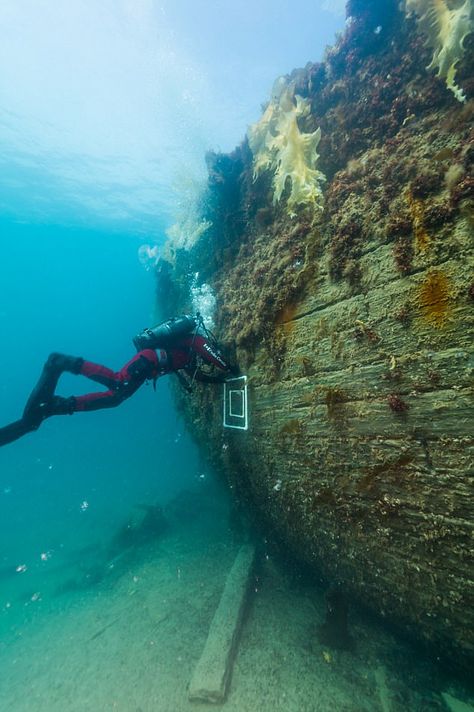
pixel 43 392
pixel 16 430
pixel 33 419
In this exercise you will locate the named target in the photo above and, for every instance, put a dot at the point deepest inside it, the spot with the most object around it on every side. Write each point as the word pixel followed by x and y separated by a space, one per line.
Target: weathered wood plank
pixel 213 671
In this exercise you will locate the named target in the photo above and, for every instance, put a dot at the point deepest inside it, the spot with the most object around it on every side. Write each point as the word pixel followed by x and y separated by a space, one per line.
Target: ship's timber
pixel 354 325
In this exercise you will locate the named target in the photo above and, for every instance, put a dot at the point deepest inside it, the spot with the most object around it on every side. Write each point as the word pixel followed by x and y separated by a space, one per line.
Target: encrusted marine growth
pixel 278 144
pixel 446 29
pixel 353 323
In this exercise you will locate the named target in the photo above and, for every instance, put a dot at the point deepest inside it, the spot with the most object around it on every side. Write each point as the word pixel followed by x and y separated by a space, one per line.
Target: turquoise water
pixel 82 293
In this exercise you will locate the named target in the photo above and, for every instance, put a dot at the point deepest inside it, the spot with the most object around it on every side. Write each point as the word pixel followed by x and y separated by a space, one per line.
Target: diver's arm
pixel 207 351
pixel 207 378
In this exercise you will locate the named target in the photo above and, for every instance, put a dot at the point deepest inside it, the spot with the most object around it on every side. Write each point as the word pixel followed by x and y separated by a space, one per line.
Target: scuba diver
pixel 181 345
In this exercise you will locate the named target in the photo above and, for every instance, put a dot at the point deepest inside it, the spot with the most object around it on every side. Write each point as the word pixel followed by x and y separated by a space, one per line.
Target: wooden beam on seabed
pixel 212 674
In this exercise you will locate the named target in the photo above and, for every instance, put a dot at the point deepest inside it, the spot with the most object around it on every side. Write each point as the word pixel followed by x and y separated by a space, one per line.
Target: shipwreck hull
pixel 354 325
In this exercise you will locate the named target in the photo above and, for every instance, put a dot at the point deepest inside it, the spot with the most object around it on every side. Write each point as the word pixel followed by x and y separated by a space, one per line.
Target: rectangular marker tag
pixel 236 403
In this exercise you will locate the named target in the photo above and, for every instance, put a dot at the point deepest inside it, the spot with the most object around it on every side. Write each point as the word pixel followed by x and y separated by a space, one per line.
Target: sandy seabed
pixel 130 643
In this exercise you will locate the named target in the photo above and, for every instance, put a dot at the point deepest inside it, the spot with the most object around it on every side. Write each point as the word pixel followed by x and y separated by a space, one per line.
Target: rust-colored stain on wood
pixel 285 318
pixel 434 298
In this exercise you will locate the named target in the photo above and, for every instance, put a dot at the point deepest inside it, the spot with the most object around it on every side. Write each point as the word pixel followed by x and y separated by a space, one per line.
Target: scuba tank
pixel 163 335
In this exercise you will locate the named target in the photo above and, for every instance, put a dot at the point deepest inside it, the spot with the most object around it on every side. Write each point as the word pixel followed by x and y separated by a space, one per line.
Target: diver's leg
pixel 145 362
pixel 53 368
pixel 100 374
pixel 106 399
pixel 121 384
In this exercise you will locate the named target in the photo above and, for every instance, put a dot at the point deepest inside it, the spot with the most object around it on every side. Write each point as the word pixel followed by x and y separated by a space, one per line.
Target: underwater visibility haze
pixel 302 176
